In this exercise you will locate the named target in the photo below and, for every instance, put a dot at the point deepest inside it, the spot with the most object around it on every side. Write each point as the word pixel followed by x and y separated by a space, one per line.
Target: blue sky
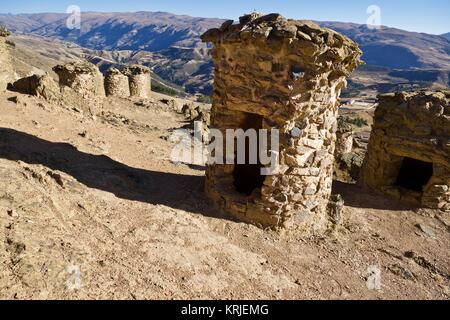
pixel 431 16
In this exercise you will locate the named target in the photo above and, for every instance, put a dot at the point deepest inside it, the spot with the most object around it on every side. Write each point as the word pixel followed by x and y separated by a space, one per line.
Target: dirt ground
pixel 91 207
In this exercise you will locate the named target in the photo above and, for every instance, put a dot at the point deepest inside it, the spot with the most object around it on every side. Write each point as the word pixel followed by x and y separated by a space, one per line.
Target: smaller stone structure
pixel 83 77
pixel 344 139
pixel 6 70
pixel 116 84
pixel 139 80
pixel 409 150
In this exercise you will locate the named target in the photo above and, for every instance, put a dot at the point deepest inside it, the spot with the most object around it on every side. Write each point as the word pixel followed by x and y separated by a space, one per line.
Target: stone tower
pixel 82 85
pixel 139 79
pixel 116 84
pixel 6 71
pixel 83 77
pixel 409 149
pixel 272 73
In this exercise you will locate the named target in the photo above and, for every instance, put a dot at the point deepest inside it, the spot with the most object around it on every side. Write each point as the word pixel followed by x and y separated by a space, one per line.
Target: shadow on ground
pixel 357 197
pixel 177 191
pixel 101 172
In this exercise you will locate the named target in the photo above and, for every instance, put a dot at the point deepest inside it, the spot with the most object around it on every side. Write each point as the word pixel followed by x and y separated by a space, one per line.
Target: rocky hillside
pixel 446 36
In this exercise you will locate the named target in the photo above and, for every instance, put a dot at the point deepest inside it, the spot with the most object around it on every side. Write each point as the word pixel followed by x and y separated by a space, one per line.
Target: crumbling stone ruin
pixel 348 155
pixel 273 73
pixel 139 80
pixel 116 84
pixel 409 149
pixel 37 85
pixel 82 85
pixel 6 70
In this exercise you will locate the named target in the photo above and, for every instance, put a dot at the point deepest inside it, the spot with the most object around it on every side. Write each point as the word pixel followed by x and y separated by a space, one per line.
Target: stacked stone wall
pixel 6 69
pixel 289 74
pixel 116 84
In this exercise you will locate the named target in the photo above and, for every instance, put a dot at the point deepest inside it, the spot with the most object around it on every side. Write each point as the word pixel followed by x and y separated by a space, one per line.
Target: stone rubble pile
pixel 40 86
pixel 81 84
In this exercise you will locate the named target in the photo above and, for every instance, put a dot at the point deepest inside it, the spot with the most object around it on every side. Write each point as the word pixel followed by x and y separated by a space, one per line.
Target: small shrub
pixel 160 88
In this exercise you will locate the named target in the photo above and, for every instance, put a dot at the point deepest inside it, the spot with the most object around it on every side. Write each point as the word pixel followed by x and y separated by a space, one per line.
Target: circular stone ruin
pixel 82 85
pixel 139 79
pixel 409 149
pixel 116 84
pixel 82 77
pixel 273 73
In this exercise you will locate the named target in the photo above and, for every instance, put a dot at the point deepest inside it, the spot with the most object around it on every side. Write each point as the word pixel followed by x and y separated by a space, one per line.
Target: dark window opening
pixel 414 174
pixel 247 177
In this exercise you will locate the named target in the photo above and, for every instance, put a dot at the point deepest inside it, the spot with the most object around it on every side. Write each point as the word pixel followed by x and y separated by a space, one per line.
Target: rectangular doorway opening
pixel 247 177
pixel 414 174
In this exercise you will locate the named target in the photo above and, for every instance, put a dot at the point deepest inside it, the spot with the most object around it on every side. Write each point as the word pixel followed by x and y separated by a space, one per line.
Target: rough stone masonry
pixel 273 73
pixel 83 77
pixel 82 84
pixel 409 149
pixel 6 70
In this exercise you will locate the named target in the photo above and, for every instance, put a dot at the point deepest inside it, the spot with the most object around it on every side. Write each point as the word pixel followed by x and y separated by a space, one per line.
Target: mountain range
pixel 171 44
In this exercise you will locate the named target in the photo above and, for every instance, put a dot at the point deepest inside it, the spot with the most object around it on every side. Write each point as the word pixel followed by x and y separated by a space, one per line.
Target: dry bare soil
pixel 97 192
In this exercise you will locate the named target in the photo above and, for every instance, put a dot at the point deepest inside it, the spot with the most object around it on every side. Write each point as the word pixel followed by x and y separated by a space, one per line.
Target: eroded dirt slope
pixel 98 193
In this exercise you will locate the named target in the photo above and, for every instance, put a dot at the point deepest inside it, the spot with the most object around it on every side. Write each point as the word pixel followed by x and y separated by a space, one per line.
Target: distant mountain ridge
pixel 149 31
pixel 446 36
pixel 156 31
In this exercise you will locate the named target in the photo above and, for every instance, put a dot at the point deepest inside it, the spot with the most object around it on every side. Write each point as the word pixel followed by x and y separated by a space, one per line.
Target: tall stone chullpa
pixel 273 73
pixel 116 84
pixel 409 149
pixel 139 80
pixel 6 70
